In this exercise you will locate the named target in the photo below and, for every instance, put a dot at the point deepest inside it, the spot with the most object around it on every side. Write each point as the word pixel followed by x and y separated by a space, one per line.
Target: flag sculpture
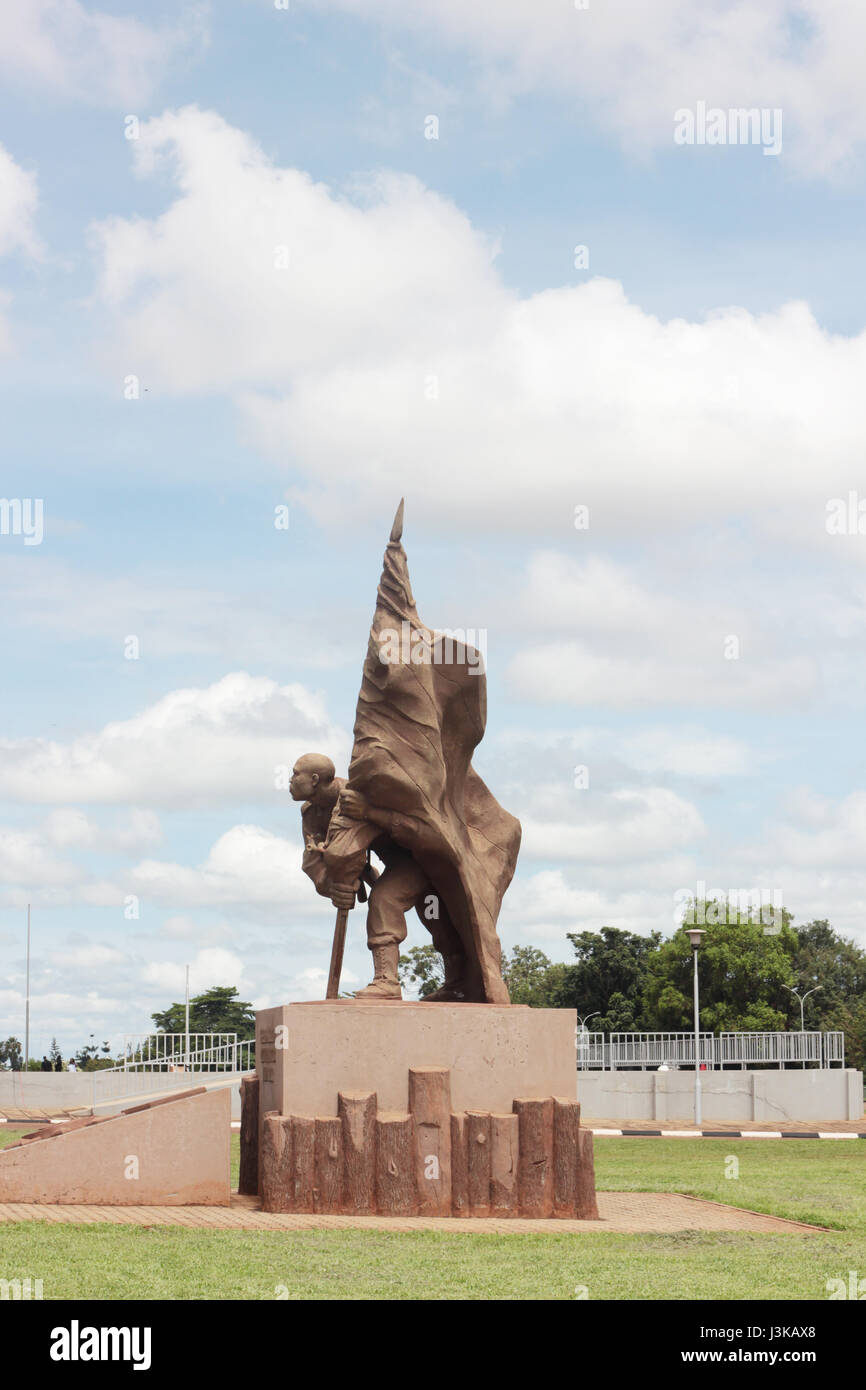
pixel 413 798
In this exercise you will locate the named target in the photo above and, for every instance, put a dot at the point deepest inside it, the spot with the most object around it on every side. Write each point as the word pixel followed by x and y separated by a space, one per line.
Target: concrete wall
pixel 769 1095
pixel 105 1093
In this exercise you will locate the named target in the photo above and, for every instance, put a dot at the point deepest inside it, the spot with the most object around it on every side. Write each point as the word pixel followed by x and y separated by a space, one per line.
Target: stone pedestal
pixel 417 1109
pixel 307 1053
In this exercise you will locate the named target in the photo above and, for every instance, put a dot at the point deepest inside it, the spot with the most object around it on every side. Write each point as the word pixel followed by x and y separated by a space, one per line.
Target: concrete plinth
pixel 307 1053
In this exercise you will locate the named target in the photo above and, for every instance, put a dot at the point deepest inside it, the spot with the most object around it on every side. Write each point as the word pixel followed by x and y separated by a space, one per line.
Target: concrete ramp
pixel 171 1152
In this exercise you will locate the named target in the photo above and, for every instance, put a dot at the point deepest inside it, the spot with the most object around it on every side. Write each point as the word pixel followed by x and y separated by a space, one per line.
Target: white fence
pixel 193 1052
pixel 643 1050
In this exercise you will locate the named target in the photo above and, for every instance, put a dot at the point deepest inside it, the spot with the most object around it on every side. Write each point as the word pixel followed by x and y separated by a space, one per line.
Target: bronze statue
pixel 413 798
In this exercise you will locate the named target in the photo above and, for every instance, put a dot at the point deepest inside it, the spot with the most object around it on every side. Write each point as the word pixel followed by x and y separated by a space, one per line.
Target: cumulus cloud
pixel 605 635
pixel 167 618
pixel 247 866
pixel 190 748
pixel 632 824
pixel 213 965
pixel 18 201
pixel 376 312
pixel 84 53
pixel 630 66
pixel 544 906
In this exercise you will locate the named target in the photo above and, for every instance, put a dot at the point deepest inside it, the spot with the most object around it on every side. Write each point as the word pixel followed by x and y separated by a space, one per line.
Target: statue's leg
pixel 393 893
pixel 462 983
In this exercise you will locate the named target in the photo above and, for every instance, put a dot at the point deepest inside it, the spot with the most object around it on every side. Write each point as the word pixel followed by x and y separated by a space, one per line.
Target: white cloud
pixel 608 827
pixel 391 325
pixel 167 616
pixel 18 201
pixel 634 646
pixel 192 747
pixel 631 65
pixel 687 751
pixel 89 55
pixel 545 906
pixel 70 828
pixel 212 966
pixel 26 859
pixel 247 866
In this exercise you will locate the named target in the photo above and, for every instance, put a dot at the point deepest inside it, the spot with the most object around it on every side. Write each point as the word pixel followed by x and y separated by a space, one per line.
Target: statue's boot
pixel 452 989
pixel 386 984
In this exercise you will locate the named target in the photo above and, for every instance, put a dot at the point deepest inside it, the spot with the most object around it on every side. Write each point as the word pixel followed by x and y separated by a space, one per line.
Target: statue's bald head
pixel 311 771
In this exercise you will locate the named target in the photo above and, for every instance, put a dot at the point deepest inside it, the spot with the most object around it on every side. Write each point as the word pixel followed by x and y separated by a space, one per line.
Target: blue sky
pixel 698 386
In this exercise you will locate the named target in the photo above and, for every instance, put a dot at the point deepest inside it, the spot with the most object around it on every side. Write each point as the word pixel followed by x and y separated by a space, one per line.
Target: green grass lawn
pixel 808 1180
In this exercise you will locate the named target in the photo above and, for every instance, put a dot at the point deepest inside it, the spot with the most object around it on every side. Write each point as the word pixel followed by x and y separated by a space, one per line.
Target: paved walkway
pixel 628 1213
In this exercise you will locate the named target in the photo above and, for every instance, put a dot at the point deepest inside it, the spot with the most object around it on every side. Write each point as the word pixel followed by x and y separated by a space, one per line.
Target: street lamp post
pixel 27 997
pixel 696 936
pixel 802 1013
pixel 186 1049
pixel 582 1028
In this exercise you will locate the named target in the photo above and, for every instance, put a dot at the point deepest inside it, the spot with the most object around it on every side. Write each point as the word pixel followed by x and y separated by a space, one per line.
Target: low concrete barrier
pixel 103 1092
pixel 829 1094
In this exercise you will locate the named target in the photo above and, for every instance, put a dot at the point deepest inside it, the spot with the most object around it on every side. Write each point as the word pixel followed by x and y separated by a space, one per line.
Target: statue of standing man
pixel 402 885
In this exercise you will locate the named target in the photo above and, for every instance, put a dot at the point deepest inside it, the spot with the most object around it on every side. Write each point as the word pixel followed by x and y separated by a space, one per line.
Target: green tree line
pixel 638 983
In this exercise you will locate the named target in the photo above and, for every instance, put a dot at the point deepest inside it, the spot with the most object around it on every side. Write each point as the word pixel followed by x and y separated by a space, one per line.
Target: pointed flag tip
pixel 397 528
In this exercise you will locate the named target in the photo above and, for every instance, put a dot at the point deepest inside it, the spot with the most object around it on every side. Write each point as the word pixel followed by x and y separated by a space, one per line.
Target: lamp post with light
pixel 802 1013
pixel 696 936
pixel 582 1032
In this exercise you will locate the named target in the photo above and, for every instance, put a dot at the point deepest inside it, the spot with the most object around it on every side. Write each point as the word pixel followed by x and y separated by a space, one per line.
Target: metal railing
pixel 660 1049
pixel 179 1052
pixel 769 1049
pixel 834 1048
pixel 631 1050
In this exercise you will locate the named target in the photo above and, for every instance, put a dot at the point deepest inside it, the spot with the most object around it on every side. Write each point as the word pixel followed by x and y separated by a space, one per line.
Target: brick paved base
pixel 629 1213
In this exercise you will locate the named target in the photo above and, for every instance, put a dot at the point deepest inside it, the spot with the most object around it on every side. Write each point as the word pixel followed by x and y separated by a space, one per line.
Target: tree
pixel 218 1010
pixel 608 978
pixel 531 978
pixel 743 971
pixel 11 1053
pixel 838 965
pixel 422 967
pixel 54 1053
pixel 88 1059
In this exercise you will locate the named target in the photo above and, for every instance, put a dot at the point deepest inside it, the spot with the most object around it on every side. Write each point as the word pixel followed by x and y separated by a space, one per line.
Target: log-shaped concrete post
pixel 304 1147
pixel 585 1201
pixel 357 1112
pixel 430 1104
pixel 459 1165
pixel 278 1186
pixel 535 1170
pixel 478 1137
pixel 328 1190
pixel 248 1179
pixel 504 1159
pixel 566 1157
pixel 396 1192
